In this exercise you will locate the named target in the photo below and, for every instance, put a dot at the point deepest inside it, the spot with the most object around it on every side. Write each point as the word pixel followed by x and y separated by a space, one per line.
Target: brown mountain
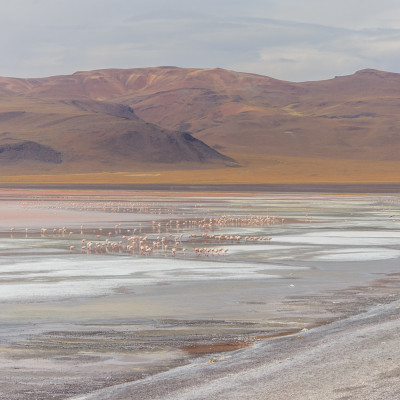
pixel 63 124
pixel 196 124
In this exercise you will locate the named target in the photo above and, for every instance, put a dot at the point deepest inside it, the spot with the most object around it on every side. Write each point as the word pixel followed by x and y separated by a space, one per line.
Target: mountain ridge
pixel 206 119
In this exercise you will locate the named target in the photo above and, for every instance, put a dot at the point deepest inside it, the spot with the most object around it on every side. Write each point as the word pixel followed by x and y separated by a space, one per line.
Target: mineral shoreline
pixel 350 349
pixel 354 358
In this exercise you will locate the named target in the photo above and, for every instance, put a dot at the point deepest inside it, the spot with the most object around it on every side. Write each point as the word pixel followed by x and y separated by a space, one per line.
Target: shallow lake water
pixel 141 280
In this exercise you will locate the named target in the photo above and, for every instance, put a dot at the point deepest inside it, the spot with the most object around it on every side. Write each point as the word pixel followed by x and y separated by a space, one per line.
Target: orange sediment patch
pixel 223 347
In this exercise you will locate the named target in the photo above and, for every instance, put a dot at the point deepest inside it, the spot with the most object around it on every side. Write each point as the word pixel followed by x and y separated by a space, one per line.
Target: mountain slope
pixel 90 135
pixel 353 117
pixel 186 119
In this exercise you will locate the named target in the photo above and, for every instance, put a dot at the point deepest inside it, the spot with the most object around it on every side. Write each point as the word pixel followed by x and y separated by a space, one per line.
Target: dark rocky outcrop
pixel 28 150
pixel 169 147
pixel 114 109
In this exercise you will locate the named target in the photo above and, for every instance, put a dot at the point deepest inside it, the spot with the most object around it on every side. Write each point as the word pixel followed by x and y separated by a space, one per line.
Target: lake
pixel 100 288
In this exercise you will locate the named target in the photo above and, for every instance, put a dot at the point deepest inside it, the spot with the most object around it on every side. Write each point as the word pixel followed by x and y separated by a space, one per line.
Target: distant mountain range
pixel 200 119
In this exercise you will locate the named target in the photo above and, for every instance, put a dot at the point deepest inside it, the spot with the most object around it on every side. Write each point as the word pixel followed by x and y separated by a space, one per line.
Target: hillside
pixel 49 134
pixel 185 124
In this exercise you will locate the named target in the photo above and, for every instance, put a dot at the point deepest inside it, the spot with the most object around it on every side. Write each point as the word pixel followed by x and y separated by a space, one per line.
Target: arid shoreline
pixel 362 188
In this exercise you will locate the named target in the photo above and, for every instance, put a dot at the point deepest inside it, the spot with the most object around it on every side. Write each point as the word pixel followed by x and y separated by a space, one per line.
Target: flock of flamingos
pixel 160 237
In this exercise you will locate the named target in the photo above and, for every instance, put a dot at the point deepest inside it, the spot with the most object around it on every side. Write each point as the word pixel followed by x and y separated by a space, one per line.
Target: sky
pixel 285 39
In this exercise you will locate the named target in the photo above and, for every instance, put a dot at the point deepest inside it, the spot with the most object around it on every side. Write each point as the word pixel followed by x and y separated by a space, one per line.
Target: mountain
pixel 67 124
pixel 201 123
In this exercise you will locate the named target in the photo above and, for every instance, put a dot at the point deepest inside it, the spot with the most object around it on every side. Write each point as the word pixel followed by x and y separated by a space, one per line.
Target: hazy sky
pixel 286 39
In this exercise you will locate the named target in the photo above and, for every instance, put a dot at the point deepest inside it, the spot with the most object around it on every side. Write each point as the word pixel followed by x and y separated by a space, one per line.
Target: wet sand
pixel 354 358
pixel 348 346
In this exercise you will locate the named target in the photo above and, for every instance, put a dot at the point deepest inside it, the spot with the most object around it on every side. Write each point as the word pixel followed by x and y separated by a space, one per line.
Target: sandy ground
pixel 253 170
pixel 355 358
